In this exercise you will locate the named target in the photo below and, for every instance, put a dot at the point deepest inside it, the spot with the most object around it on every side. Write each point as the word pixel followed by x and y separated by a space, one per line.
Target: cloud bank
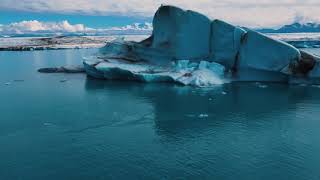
pixel 251 13
pixel 36 26
pixel 63 27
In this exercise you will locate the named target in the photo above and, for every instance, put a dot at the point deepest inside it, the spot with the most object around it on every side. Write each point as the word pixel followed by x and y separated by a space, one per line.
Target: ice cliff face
pixel 179 35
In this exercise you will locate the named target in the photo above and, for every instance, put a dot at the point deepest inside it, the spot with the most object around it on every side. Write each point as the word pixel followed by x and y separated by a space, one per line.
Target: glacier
pixel 188 48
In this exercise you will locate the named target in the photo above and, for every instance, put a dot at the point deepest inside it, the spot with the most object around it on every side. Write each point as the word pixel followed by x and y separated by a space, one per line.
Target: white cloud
pixel 250 13
pixel 37 27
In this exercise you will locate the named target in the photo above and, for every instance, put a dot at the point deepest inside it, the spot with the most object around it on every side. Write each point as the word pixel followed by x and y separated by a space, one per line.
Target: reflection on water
pixel 236 128
pixel 91 129
pixel 199 108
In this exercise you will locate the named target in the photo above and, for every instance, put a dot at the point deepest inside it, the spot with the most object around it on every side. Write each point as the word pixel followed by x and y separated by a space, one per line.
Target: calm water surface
pixel 89 129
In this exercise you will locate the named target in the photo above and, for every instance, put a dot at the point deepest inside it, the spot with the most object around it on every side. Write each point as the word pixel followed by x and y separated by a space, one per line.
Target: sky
pixel 110 13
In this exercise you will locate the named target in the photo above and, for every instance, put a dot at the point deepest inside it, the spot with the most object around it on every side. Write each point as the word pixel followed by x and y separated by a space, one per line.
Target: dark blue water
pixel 90 129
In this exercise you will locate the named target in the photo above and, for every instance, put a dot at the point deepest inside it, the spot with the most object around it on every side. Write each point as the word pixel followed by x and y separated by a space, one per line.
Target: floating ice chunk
pixel 203 115
pixel 47 124
pixel 260 85
pixel 263 86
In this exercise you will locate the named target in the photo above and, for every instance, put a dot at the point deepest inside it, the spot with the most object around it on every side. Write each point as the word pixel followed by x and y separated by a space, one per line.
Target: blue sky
pixel 94 21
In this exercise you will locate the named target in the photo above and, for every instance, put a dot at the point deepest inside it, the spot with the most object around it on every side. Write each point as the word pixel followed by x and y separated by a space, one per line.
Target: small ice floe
pixel 263 86
pixel 7 83
pixel 191 115
pixel 260 85
pixel 316 86
pixel 224 93
pixel 47 124
pixel 203 115
pixel 210 99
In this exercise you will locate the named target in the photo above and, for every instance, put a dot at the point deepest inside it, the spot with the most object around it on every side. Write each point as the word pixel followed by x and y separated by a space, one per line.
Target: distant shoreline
pixel 299 40
pixel 60 42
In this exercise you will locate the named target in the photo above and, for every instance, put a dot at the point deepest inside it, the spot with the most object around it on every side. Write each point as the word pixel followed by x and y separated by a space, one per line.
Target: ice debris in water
pixel 263 86
pixel 203 115
pixel 47 124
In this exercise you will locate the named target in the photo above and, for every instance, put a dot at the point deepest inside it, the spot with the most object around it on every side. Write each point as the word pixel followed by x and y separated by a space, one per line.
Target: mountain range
pixel 294 28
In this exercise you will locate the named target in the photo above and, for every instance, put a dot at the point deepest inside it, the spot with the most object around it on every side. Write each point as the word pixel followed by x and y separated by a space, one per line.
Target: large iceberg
pixel 188 48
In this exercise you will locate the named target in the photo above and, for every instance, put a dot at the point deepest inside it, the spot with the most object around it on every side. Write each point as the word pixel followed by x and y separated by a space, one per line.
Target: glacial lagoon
pixel 70 126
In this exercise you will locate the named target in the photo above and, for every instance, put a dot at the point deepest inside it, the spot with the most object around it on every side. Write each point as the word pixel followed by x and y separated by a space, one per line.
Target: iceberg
pixel 188 48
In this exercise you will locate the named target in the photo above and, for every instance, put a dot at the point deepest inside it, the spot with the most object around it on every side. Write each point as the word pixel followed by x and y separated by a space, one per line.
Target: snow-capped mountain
pixel 295 28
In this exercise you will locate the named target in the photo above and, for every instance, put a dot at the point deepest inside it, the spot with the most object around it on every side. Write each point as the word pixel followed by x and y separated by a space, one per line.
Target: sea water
pixel 69 126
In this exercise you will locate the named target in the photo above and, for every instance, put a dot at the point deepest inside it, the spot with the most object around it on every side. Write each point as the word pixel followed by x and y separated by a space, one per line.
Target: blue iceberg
pixel 188 48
